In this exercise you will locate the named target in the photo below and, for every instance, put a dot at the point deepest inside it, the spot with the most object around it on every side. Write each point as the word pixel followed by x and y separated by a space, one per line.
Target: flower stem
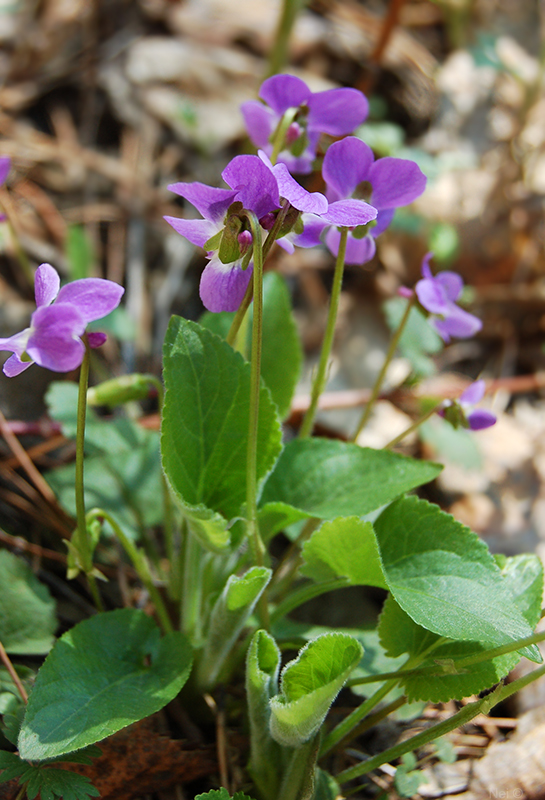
pixel 255 540
pixel 467 713
pixel 380 380
pixel 278 57
pixel 140 564
pixel 320 378
pixel 6 661
pixel 306 593
pixel 83 539
pixel 247 299
pixel 280 133
pixel 414 426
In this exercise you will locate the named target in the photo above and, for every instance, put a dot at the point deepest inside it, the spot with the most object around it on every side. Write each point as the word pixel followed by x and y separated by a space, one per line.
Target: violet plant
pixel 456 620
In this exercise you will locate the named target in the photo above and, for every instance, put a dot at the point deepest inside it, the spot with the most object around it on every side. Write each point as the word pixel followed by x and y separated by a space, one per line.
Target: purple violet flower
pixel 438 295
pixel 53 339
pixel 335 112
pixel 460 412
pixel 223 231
pixel 393 182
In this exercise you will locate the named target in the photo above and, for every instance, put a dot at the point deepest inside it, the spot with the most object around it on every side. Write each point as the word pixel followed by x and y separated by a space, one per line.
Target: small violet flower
pixel 53 339
pixel 335 112
pixel 438 295
pixel 257 186
pixel 460 412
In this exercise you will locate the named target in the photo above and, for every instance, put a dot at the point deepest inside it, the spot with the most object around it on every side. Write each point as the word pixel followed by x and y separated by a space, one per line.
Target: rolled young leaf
pixel 229 615
pixel 309 686
pixel 262 666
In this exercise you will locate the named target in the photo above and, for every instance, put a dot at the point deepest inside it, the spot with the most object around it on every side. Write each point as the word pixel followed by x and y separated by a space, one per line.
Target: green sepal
pixel 214 242
pixel 229 249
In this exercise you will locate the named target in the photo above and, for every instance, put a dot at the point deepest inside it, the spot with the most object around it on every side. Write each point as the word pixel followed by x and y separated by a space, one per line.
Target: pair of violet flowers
pixel 294 116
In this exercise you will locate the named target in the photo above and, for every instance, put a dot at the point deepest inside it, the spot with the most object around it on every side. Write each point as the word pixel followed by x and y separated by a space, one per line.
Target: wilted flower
pixel 438 295
pixel 460 413
pixel 335 112
pixel 53 339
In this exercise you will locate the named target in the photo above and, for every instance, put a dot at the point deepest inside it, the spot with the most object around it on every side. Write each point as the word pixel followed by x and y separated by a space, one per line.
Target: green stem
pixel 280 133
pixel 83 539
pixel 191 606
pixel 256 543
pixel 352 720
pixel 306 593
pixel 470 711
pixel 278 57
pixel 247 299
pixel 298 778
pixel 140 564
pixel 380 380
pixel 414 426
pixel 321 374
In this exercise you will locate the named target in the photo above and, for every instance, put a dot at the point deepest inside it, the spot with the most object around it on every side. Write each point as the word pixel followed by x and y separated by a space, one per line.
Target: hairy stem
pixel 83 538
pixel 320 378
pixel 380 380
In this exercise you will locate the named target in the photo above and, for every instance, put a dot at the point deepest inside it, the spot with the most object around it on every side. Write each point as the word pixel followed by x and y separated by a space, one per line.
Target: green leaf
pixel 221 794
pixel 310 684
pixel 344 548
pixel 407 783
pixel 229 615
pixel 326 478
pixel 262 665
pixel 444 750
pixel 27 610
pixel 282 356
pixel 205 427
pixel 444 577
pixel 105 673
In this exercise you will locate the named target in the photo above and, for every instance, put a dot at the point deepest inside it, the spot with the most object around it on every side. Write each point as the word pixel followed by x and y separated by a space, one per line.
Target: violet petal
pixel 346 164
pixel 254 183
pixel 209 201
pixel 58 353
pixel 396 182
pixel 349 213
pixel 358 251
pixel 196 231
pixel 46 284
pixel 260 122
pixel 480 419
pixel 432 296
pixel 93 297
pixel 474 393
pixel 426 270
pixel 14 366
pixel 223 286
pixel 337 111
pixel 281 92
pixel 461 323
pixel 384 218
pixel 452 284
pixel 312 231
pixel 310 202
pixel 16 343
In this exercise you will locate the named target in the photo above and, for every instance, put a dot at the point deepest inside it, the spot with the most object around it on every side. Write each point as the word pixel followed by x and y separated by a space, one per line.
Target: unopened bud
pixel 245 240
pixel 267 221
pixel 293 133
pixel 119 390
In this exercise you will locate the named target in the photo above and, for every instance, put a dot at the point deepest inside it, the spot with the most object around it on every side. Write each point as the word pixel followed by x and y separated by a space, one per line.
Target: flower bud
pixel 245 240
pixel 119 390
